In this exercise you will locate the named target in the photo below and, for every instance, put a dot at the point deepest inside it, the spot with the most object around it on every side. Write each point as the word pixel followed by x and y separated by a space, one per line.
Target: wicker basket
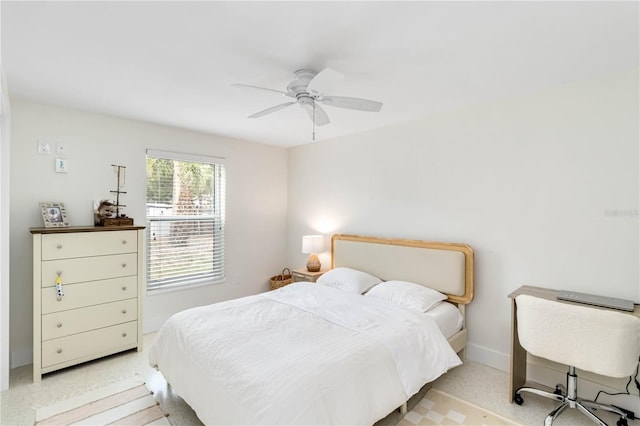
pixel 281 280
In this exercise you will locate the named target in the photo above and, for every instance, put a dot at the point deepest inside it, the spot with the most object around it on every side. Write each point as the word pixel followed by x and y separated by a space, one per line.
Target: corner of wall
pixel 5 134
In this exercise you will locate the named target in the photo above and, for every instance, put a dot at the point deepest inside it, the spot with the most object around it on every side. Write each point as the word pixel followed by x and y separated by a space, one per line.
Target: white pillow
pixel 348 279
pixel 407 294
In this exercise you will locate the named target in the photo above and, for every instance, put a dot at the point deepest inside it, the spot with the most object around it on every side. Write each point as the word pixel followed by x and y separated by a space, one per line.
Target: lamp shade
pixel 312 244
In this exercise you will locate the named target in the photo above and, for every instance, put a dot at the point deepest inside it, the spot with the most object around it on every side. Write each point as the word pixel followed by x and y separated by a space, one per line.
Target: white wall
pixel 544 187
pixel 256 200
pixel 4 229
pixel 5 126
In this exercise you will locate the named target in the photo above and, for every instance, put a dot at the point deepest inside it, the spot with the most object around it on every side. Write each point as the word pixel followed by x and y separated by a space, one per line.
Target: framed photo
pixel 54 215
pixel 103 209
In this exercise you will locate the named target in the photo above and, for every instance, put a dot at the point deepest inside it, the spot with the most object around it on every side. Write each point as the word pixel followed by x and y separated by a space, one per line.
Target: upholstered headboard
pixel 446 267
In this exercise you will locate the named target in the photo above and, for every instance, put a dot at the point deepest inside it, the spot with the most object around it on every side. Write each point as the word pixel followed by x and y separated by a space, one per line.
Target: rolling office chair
pixel 602 341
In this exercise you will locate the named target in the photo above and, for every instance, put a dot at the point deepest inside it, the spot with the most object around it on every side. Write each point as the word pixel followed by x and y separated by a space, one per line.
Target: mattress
pixel 447 317
pixel 302 354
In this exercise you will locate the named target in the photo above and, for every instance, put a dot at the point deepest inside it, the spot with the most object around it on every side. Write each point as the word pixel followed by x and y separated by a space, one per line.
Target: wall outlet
pixel 43 148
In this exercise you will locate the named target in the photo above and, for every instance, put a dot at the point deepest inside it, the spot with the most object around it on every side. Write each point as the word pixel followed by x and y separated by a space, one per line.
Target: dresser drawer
pixel 97 342
pixel 89 293
pixel 89 268
pixel 83 244
pixel 66 323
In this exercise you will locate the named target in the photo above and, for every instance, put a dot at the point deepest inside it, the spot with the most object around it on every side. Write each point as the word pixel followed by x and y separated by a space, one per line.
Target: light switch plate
pixel 43 148
pixel 61 149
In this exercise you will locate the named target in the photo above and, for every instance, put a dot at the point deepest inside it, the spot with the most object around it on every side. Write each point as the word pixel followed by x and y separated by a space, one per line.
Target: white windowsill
pixel 182 287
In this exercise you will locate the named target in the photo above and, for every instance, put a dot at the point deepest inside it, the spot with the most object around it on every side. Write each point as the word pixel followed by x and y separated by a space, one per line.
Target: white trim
pixel 182 156
pixel 217 219
pixel 5 165
pixel 154 291
pixel 21 357
pixel 486 356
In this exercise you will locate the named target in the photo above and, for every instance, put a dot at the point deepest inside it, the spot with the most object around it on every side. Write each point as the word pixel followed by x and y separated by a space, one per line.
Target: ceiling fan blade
pixel 351 103
pixel 321 117
pixel 270 110
pixel 324 81
pixel 261 88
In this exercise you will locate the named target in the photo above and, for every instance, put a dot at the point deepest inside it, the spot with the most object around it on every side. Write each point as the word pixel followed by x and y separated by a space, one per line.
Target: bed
pixel 329 352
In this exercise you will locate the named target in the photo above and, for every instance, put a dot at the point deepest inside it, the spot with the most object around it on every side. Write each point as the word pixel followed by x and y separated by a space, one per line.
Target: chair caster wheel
pixel 558 391
pixel 622 422
pixel 518 400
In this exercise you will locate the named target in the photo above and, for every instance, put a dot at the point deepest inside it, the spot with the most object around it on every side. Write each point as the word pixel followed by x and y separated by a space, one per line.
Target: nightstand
pixel 301 274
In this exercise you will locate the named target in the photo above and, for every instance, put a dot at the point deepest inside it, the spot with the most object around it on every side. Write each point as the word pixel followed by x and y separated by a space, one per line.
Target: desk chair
pixel 602 341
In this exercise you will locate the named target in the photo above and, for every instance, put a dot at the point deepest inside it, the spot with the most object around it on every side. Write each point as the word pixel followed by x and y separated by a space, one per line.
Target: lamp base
pixel 313 264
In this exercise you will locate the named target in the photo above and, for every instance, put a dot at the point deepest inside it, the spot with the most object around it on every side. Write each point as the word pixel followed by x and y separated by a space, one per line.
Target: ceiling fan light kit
pixel 308 88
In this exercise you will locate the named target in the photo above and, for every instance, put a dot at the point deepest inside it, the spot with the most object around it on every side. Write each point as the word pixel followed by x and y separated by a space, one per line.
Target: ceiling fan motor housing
pixel 303 77
pixel 305 99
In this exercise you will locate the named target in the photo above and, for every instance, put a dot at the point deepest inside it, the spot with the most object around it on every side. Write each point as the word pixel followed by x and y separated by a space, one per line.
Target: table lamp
pixel 312 245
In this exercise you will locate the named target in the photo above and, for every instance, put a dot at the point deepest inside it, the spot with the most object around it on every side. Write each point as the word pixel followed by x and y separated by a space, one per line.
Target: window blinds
pixel 185 219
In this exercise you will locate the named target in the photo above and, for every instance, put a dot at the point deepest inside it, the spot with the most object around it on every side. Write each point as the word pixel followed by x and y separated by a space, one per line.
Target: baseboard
pixel 486 356
pixel 21 357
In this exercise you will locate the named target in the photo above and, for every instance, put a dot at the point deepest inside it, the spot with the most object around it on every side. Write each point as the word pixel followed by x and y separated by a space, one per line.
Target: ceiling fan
pixel 308 89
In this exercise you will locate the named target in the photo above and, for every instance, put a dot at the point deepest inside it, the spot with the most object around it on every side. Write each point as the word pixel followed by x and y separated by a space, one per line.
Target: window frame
pixel 219 194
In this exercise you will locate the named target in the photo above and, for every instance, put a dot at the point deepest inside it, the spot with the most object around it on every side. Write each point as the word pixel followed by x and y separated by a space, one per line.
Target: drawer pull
pixel 59 246
pixel 124 334
pixel 59 325
pixel 124 311
pixel 124 241
pixel 124 265
pixel 59 351
pixel 124 288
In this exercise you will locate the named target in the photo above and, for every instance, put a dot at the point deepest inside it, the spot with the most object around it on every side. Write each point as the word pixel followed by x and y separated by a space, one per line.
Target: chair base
pixel 569 399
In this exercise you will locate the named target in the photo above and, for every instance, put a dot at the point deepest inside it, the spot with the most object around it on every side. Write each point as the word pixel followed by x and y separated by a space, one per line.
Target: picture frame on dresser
pixel 54 215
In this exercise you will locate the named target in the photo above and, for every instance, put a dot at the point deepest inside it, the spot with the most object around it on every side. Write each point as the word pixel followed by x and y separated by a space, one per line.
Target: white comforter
pixel 303 354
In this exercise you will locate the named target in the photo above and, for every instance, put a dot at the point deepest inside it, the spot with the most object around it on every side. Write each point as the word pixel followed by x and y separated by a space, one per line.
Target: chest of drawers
pixel 96 310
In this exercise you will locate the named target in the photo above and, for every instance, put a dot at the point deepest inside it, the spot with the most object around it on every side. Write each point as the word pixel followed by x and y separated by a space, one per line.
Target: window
pixel 185 219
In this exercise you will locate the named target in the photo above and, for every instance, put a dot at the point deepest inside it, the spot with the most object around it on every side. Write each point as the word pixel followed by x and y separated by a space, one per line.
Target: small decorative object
pixel 119 219
pixel 312 245
pixel 281 280
pixel 54 215
pixel 103 209
pixel 61 165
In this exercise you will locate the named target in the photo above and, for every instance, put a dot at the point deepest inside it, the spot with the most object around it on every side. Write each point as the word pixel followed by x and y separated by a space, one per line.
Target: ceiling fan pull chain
pixel 314 121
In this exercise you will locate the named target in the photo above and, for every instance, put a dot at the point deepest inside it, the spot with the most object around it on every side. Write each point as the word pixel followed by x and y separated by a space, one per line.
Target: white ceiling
pixel 173 62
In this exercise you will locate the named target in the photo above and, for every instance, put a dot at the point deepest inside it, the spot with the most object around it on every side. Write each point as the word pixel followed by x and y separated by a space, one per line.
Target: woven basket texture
pixel 281 280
